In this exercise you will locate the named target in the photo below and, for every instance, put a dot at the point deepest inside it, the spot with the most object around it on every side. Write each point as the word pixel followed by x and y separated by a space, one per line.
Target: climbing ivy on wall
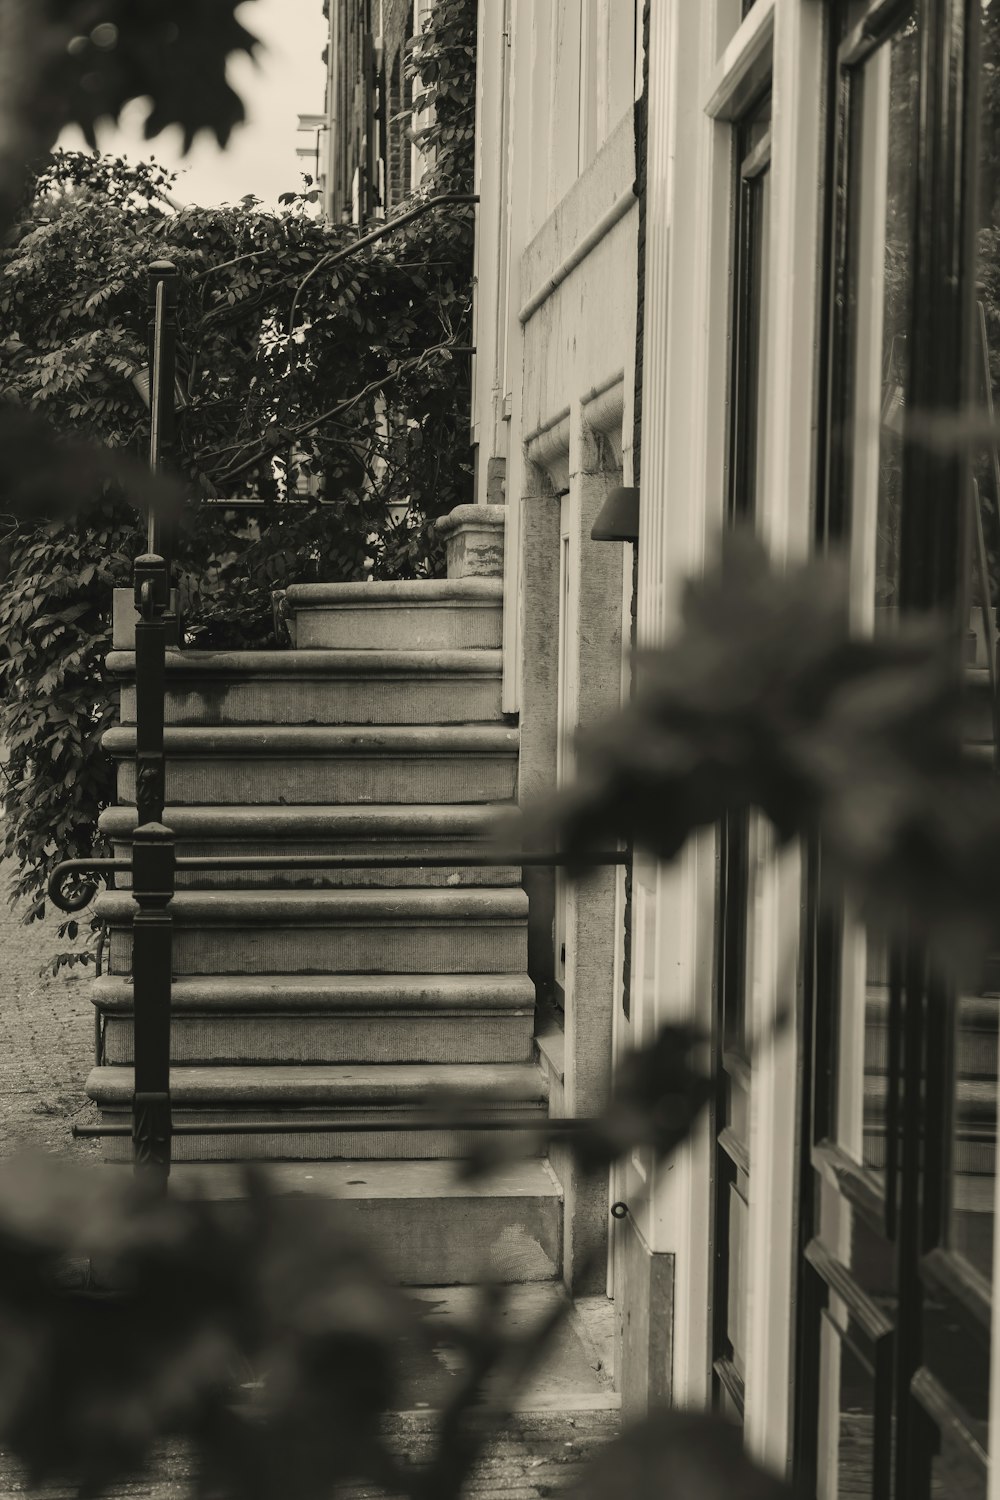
pixel 331 387
pixel 443 66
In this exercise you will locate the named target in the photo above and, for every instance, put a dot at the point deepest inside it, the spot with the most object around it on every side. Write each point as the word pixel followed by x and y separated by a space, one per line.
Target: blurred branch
pixel 765 699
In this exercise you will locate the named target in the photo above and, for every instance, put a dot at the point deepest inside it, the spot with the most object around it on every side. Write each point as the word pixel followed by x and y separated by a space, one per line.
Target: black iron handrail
pixel 323 1125
pixel 65 872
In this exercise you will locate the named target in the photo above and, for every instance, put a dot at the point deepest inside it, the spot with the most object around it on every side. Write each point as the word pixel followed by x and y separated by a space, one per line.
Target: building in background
pixel 369 162
pixel 735 250
pixel 312 152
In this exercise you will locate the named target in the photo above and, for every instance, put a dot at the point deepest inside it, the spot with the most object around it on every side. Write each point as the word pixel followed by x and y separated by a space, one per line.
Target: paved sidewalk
pixel 46 1038
pixel 537 1456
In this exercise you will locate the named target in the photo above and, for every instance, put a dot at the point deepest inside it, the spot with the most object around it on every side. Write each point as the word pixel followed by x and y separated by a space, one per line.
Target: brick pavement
pixel 537 1455
pixel 46 1038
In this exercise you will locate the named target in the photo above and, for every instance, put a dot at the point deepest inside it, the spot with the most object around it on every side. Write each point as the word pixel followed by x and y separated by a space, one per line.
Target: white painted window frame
pixel 490 273
pixel 785 520
pixel 696 74
pixel 420 160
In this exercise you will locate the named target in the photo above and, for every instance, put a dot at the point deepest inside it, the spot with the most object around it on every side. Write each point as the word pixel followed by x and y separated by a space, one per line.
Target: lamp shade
pixel 141 382
pixel 618 518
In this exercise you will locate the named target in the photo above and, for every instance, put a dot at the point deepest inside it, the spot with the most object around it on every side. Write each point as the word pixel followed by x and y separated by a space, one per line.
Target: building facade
pixel 367 162
pixel 724 248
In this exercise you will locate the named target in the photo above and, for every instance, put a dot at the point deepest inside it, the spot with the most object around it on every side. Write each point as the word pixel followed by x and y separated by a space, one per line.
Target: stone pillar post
pixel 592 980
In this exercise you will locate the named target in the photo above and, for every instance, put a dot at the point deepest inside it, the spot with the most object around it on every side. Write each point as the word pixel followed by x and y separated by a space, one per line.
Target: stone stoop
pixel 345 1002
pixel 321 687
pixel 311 766
pixel 409 829
pixel 426 614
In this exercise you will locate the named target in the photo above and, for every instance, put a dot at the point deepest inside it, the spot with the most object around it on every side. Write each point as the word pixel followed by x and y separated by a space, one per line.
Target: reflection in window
pixel 879 292
pixel 860 1248
pixel 973 1146
pixel 861 1100
pixel 740 835
pixel 753 198
pixel 954 1476
pixel 975 1026
pixel 847 1427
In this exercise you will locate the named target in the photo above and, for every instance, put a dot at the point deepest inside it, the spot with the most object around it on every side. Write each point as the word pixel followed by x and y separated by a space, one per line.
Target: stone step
pixel 334 1100
pixel 322 687
pixel 336 1018
pixel 414 615
pixel 405 931
pixel 431 1228
pixel 311 765
pixel 412 830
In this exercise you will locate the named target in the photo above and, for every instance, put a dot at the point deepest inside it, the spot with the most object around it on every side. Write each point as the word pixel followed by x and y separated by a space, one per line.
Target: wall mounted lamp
pixel 618 518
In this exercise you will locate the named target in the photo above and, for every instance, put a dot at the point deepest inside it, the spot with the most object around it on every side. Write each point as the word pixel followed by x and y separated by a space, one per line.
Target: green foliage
pixel 54 635
pixel 442 65
pixel 319 380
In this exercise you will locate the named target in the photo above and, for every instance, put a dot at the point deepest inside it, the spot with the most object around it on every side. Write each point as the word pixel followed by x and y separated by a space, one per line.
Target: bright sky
pixel 287 80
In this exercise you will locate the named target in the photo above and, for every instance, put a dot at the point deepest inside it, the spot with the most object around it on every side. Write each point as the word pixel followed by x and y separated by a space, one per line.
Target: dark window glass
pixel 896 1282
pixel 738 834
pixel 847 1429
pixel 749 315
pixel 973 1061
pixel 954 1476
pixel 879 290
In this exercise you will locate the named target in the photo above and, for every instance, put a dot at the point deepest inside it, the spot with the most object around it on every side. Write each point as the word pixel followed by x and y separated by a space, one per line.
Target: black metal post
pixel 163 284
pixel 152 955
pixel 153 864
pixel 152 594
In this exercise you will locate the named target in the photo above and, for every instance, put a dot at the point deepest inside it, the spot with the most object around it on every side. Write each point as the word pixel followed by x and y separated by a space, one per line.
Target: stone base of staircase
pixel 322 1010
pixel 429 1227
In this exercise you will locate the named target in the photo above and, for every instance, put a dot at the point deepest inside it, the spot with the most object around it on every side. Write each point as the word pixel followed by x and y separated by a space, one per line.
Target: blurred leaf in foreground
pixel 45 476
pixel 659 1093
pixel 78 62
pixel 682 1455
pixel 261 1331
pixel 765 699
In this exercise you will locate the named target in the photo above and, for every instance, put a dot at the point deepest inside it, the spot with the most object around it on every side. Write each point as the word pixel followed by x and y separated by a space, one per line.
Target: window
pixel 897 1218
pixel 739 836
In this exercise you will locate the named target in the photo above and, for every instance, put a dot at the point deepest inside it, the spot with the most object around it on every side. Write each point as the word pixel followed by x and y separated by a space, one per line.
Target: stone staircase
pixel 335 1000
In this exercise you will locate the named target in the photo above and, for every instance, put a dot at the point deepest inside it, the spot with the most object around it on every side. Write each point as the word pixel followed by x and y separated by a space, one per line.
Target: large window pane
pixel 975 1026
pixel 973 1143
pixel 746 449
pixel 879 292
pixel 740 835
pixel 847 1446
pixel 864 1039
